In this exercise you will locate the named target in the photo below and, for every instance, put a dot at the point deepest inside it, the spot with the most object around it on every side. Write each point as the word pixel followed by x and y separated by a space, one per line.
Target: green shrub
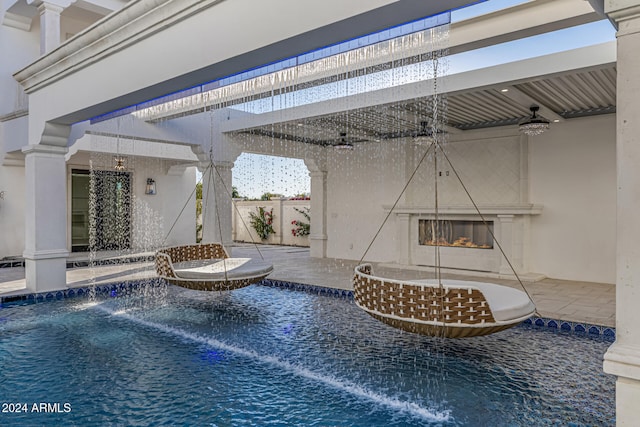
pixel 262 222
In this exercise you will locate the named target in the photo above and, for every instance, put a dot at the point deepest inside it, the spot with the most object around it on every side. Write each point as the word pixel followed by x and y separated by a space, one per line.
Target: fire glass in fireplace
pixel 454 233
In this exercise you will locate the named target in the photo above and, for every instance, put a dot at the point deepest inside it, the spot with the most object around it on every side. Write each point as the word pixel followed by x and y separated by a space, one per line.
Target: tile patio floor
pixel 584 302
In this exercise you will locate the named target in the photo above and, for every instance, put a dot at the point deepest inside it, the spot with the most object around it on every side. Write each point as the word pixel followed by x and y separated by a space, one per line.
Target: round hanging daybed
pixel 207 267
pixel 458 309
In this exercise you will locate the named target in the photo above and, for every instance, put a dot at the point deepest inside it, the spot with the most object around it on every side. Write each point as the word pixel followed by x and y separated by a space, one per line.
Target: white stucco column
pixel 623 357
pixel 50 11
pixel 45 217
pixel 217 203
pixel 318 236
pixel 50 22
pixel 506 241
pixel 49 26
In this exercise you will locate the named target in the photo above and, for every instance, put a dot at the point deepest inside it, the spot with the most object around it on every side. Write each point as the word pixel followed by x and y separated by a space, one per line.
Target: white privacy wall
pixel 573 175
pixel 284 211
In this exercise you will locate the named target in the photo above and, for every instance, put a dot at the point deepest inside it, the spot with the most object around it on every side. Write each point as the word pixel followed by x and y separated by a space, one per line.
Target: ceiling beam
pixel 495 77
pixel 509 24
pixel 517 22
pixel 526 101
pixel 182 30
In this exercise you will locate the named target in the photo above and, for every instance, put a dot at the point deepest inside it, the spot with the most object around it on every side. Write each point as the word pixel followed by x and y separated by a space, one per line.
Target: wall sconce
pixel 2 195
pixel 151 187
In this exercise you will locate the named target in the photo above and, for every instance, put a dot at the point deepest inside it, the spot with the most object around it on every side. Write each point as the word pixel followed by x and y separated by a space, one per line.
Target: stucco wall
pixel 284 212
pixel 362 182
pixel 573 174
pixel 569 171
pixel 152 216
pixel 157 213
pixel 12 211
pixel 17 49
pixel 359 183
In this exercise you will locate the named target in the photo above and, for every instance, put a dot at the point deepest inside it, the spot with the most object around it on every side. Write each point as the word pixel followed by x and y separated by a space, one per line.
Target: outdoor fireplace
pixel 455 233
pixel 465 239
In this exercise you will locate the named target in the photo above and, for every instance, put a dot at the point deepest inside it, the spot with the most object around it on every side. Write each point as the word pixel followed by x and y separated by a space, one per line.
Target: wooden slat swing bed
pixel 207 266
pixel 440 307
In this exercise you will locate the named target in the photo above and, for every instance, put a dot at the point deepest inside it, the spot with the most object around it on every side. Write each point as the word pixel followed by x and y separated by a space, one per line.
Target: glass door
pixel 112 215
pixel 79 210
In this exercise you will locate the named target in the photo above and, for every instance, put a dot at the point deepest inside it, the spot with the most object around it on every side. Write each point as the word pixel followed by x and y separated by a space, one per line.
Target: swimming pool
pixel 271 356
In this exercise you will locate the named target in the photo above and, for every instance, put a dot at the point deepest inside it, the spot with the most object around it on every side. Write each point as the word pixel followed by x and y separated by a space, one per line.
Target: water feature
pixel 264 355
pixel 268 356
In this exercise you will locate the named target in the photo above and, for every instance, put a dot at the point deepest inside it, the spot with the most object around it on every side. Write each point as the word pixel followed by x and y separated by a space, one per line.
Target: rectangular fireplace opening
pixel 455 233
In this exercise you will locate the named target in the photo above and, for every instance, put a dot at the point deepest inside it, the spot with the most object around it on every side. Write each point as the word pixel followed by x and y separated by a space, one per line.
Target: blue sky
pixel 256 174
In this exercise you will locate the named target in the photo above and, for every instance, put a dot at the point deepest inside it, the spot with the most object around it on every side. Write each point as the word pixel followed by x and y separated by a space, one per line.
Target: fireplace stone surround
pixel 510 227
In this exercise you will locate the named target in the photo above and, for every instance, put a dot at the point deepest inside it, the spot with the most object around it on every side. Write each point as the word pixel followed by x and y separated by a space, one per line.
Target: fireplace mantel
pixel 526 209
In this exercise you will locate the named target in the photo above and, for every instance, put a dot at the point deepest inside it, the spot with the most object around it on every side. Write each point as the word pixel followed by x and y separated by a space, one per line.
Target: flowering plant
pixel 262 222
pixel 301 228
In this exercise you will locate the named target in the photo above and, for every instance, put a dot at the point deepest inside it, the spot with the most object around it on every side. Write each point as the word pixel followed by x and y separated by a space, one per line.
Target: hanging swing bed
pixel 207 266
pixel 439 307
pixel 448 308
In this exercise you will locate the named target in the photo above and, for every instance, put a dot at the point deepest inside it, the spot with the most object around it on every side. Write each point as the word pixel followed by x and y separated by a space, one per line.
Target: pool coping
pixel 113 289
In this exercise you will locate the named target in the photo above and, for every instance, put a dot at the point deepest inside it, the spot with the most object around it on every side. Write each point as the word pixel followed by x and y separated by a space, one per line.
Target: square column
pixel 217 204
pixel 623 357
pixel 318 236
pixel 49 26
pixel 45 218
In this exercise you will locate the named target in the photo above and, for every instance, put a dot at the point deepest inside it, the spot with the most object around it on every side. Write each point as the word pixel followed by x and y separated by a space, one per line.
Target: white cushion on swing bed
pixel 214 269
pixel 506 303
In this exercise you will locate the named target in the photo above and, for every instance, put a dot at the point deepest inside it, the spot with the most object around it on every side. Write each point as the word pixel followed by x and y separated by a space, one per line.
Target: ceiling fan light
pixel 423 140
pixel 119 163
pixel 425 136
pixel 534 125
pixel 343 146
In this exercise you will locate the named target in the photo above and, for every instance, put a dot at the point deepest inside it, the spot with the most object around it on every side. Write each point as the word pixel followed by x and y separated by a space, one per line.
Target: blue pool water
pixel 269 356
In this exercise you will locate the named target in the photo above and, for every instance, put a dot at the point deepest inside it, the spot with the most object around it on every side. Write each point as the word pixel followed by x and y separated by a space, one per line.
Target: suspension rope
pixel 486 224
pixel 235 207
pixel 434 134
pixel 435 235
pixel 205 198
pixel 184 207
pixel 415 170
pixel 215 195
pixel 230 194
pixel 209 169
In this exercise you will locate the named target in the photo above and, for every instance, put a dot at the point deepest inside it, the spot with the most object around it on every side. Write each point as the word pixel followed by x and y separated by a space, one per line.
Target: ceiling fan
pixel 424 136
pixel 342 142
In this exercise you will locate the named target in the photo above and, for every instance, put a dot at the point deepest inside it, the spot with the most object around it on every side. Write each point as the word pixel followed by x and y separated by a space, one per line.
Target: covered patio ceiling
pixel 564 85
pixel 561 95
